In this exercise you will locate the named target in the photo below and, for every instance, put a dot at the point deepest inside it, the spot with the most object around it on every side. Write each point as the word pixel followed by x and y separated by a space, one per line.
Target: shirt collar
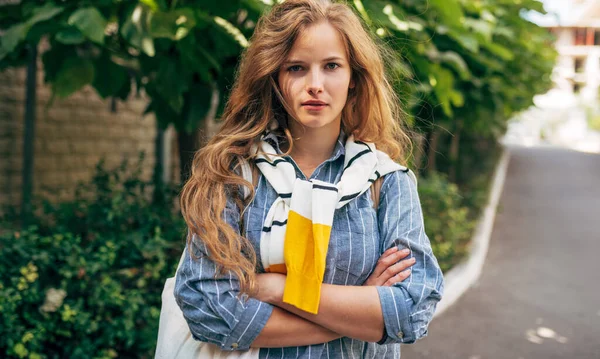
pixel 340 147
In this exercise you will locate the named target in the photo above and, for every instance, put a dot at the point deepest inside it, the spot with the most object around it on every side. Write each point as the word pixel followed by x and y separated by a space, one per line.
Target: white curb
pixel 462 276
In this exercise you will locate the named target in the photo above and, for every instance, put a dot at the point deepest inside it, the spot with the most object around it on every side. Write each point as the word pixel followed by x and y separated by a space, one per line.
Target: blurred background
pixel 104 103
pixel 568 114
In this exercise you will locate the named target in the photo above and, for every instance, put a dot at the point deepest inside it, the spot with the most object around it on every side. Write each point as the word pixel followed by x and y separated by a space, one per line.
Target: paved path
pixel 539 293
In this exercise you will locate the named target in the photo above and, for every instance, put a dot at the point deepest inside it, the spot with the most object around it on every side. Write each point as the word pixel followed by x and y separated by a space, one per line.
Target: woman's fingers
pixel 388 259
pixel 395 269
pixel 397 278
pixel 398 272
pixel 390 269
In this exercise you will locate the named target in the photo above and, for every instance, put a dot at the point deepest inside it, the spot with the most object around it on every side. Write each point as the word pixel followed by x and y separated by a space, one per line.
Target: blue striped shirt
pixel 360 234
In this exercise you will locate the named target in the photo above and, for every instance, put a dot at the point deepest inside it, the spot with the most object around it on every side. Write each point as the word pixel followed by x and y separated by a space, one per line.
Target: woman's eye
pixel 295 68
pixel 332 66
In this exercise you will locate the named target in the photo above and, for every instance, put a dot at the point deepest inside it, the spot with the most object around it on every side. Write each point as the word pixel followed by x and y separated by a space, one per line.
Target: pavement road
pixel 538 296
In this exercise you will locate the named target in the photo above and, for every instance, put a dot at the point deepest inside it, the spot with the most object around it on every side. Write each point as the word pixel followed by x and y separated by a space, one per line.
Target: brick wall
pixel 71 136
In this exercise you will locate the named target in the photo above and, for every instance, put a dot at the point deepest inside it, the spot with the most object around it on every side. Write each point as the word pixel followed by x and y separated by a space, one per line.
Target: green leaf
pixel 255 5
pixel 111 77
pixel 534 5
pixel 499 50
pixel 13 36
pixel 90 22
pixel 17 33
pixel 198 59
pixel 233 31
pixel 70 36
pixel 54 58
pixel 219 8
pixel 457 98
pixel 41 30
pixel 465 39
pixel 135 32
pixel 46 12
pixel 74 73
pixel 481 27
pixel 392 16
pixel 457 63
pixel 173 25
pixel 200 96
pixel 20 350
pixel 171 83
pixel 450 12
pixel 442 81
pixel 151 4
pixel 504 31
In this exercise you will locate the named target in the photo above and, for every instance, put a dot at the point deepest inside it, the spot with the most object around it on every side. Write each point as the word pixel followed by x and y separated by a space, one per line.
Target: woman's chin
pixel 316 122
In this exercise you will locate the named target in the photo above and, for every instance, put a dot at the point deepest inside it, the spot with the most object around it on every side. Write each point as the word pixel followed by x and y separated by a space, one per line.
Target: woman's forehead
pixel 320 41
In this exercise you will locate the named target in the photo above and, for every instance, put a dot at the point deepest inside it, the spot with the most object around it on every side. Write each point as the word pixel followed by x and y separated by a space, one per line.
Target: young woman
pixel 306 267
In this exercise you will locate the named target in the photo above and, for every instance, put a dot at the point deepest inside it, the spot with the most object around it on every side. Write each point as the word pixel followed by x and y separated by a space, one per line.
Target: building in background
pixel 563 116
pixel 577 31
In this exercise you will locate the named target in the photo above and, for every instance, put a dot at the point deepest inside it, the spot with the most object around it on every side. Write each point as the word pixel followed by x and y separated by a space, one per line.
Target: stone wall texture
pixel 71 136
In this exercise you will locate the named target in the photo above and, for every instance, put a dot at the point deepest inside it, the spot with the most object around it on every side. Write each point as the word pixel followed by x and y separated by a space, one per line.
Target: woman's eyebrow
pixel 293 61
pixel 330 58
pixel 334 58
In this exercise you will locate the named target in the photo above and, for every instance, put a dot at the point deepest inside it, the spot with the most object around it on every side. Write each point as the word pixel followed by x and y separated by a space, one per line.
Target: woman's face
pixel 315 77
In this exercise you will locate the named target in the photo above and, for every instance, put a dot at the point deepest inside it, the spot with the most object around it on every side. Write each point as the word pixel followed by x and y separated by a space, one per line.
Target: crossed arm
pixel 341 307
pixel 403 305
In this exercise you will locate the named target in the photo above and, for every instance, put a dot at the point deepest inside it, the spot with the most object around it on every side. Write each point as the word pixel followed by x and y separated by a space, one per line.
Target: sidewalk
pixel 535 297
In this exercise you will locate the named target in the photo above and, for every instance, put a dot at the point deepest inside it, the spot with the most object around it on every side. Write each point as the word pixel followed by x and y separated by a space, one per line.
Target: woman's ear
pixel 352 84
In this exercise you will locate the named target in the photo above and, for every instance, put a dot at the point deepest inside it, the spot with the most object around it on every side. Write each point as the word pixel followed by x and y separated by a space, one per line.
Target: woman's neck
pixel 311 148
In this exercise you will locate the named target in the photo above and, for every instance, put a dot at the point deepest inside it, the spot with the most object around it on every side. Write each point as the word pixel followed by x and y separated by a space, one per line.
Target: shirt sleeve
pixel 407 306
pixel 211 304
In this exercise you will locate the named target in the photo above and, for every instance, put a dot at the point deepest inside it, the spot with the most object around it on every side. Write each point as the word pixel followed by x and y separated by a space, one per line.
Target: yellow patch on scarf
pixel 305 253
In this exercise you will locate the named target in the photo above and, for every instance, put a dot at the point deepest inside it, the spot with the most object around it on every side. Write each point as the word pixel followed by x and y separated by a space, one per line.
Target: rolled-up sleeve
pixel 211 303
pixel 407 306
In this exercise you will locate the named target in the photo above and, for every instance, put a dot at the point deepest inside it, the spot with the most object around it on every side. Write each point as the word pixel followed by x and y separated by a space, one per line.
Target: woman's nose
pixel 314 82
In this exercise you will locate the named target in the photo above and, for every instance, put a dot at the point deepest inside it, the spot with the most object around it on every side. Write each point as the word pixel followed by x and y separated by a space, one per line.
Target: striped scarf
pixel 296 231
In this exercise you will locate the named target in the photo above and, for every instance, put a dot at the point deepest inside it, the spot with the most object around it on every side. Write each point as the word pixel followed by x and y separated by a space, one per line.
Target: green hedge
pixel 447 220
pixel 84 281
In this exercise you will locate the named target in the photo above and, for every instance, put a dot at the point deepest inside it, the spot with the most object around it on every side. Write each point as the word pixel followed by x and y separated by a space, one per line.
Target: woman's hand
pixel 270 287
pixel 389 269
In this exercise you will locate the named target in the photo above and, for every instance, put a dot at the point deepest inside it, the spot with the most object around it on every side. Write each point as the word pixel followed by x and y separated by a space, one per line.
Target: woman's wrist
pixel 270 288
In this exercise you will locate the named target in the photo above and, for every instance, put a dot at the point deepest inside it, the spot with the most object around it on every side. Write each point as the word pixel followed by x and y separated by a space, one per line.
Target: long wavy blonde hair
pixel 371 113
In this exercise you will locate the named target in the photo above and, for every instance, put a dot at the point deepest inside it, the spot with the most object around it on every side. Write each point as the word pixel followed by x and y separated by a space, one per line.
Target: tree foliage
pixel 178 52
pixel 466 66
pixel 461 65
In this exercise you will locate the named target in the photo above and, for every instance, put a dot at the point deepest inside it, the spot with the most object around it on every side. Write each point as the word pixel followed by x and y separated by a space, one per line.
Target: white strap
pixel 181 259
pixel 247 174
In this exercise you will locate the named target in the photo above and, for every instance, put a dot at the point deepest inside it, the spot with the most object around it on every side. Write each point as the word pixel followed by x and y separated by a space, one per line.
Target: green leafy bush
pixel 479 157
pixel 446 219
pixel 85 279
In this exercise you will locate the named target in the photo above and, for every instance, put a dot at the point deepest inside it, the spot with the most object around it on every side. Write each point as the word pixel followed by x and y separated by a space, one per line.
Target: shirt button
pixel 400 335
pixel 234 345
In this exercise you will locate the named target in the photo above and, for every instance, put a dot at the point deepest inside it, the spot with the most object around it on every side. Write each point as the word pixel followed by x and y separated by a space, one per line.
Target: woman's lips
pixel 314 106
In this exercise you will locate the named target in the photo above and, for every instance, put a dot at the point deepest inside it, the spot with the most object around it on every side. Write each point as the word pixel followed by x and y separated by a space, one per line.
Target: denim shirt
pixel 360 234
